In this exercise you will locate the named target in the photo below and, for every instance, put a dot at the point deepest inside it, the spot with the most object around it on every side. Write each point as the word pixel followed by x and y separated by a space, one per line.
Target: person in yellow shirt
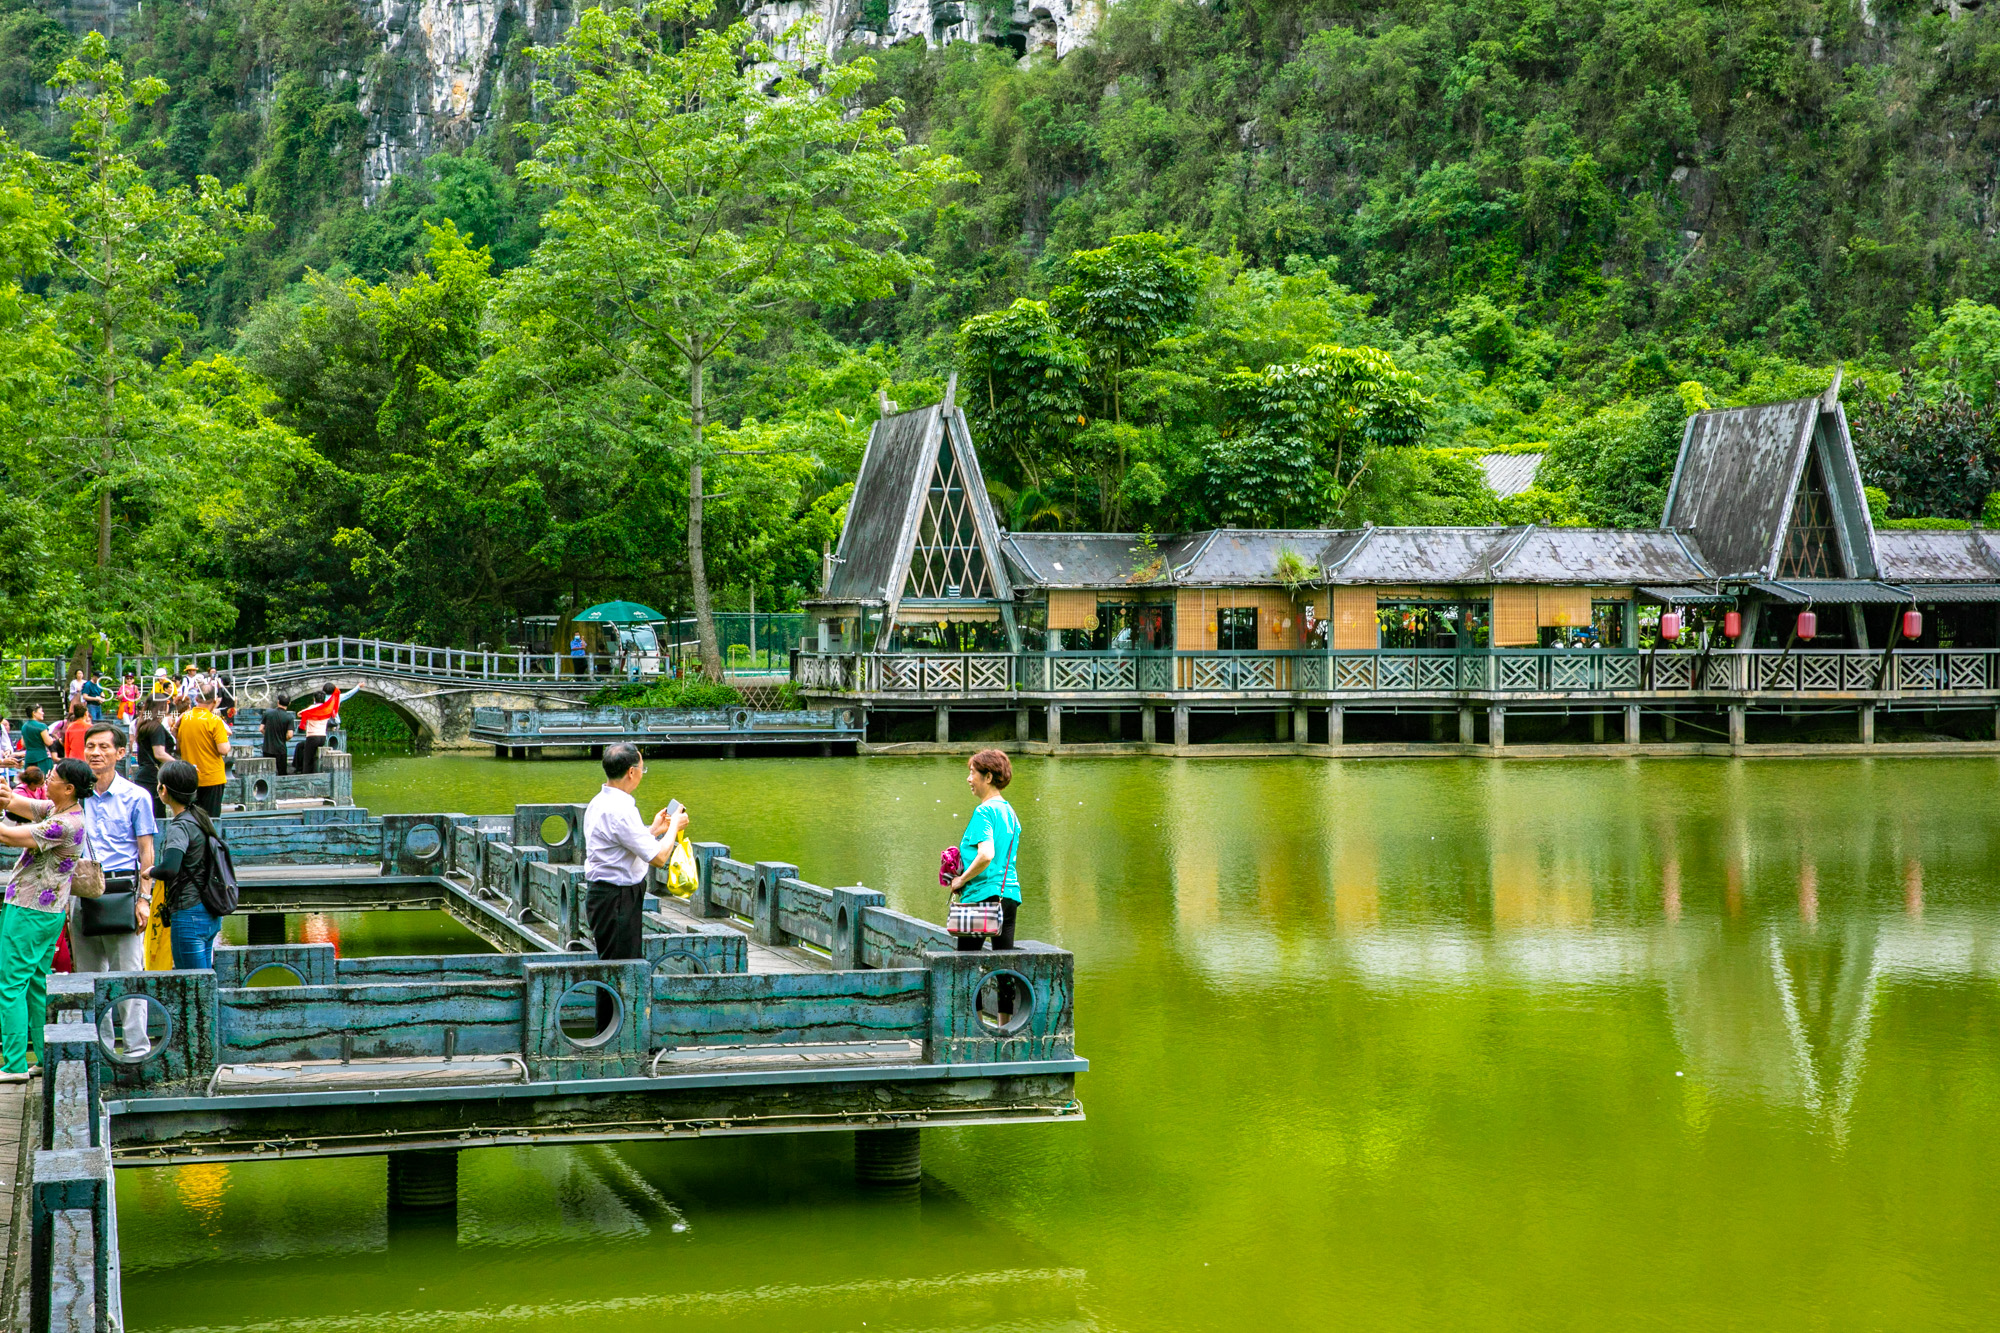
pixel 204 742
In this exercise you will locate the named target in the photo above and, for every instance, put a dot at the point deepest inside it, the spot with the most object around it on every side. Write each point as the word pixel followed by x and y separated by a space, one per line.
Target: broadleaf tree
pixel 119 268
pixel 709 187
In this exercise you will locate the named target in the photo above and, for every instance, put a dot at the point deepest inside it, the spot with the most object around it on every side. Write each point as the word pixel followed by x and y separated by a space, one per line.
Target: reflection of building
pixel 929 601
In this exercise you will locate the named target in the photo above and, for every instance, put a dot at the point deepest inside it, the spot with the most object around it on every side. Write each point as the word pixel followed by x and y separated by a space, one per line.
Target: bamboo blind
pixel 1564 607
pixel 1514 615
pixel 1353 618
pixel 1072 610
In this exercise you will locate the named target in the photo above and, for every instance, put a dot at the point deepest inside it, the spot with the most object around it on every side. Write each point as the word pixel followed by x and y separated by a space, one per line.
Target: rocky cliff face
pixel 443 68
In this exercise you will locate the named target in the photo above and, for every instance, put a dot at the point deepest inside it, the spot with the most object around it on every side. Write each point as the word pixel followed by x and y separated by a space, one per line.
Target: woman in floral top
pixel 53 840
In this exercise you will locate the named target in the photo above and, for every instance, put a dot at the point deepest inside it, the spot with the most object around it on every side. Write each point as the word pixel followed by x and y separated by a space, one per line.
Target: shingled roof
pixel 1774 490
pixel 920 499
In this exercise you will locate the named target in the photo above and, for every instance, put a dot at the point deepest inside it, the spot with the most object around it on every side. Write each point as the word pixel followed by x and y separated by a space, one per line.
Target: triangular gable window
pixel 1810 550
pixel 947 561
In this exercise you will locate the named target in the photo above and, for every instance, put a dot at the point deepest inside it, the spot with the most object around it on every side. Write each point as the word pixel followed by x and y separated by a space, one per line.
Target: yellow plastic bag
pixel 683 875
pixel 159 934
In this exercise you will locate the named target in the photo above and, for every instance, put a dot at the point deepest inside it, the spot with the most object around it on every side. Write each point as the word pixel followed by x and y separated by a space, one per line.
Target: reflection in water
pixel 1429 1045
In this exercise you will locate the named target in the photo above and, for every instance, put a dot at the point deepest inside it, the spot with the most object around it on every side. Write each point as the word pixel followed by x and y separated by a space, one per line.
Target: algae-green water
pixel 1412 1045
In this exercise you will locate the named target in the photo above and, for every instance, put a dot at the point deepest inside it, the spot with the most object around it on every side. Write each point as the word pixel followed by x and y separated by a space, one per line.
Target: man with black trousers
pixel 279 723
pixel 617 849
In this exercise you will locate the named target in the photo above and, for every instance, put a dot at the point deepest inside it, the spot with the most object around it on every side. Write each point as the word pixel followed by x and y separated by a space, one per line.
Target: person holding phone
pixel 618 848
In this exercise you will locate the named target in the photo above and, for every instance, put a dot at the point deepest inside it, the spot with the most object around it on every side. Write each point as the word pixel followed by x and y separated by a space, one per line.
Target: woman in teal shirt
pixel 990 849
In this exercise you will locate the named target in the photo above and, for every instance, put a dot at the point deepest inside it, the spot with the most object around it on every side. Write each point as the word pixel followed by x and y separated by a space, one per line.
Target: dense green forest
pixel 1248 263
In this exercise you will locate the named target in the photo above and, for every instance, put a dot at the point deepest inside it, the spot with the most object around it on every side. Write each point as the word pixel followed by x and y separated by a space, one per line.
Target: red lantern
pixel 1913 624
pixel 1670 626
pixel 1732 624
pixel 1808 626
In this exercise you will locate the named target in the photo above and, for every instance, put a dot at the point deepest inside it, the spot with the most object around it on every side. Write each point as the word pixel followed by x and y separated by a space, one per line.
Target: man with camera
pixel 108 934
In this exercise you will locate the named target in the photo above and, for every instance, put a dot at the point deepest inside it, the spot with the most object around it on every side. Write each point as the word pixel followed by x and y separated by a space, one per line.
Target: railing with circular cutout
pixel 1004 1003
pixel 584 1017
pixel 134 1030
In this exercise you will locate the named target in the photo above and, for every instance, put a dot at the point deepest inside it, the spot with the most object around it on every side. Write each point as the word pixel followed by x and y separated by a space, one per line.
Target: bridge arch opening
pixel 375 723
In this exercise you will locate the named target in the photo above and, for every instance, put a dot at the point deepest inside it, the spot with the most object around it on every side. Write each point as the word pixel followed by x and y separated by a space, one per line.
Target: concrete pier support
pixel 1336 725
pixel 1149 724
pixel 1631 724
pixel 1299 731
pixel 1496 726
pixel 1281 725
pixel 1114 725
pixel 1737 728
pixel 1055 725
pixel 267 927
pixel 1022 728
pixel 888 1156
pixel 1180 724
pixel 943 725
pixel 1437 726
pixel 423 1180
pixel 1867 724
pixel 1597 726
pixel 1468 729
pixel 1667 724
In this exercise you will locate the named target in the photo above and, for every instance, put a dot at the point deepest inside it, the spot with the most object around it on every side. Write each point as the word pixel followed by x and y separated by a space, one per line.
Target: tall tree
pixel 126 251
pixel 710 187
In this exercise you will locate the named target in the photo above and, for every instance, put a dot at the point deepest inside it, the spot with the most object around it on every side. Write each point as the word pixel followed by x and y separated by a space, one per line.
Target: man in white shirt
pixel 122 830
pixel 617 849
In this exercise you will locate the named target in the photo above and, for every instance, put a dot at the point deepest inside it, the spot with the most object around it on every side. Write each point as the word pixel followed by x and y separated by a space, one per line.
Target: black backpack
pixel 219 893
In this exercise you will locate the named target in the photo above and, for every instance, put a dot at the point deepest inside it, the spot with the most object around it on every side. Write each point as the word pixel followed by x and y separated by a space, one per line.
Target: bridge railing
pixel 303 658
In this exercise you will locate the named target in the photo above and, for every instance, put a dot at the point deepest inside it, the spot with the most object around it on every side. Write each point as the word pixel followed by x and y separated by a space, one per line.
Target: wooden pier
pixel 528 733
pixel 765 1004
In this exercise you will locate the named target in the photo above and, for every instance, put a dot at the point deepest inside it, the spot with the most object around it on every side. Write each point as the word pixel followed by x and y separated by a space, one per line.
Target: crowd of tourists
pixel 113 810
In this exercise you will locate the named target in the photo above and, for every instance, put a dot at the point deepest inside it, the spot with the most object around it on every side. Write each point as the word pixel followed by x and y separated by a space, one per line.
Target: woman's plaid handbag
pixel 982 918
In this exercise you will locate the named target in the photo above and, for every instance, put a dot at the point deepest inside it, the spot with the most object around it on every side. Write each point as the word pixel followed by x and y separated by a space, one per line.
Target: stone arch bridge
pixel 433 689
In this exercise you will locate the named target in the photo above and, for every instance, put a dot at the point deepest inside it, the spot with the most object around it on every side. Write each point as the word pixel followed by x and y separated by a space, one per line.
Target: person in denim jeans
pixel 183 866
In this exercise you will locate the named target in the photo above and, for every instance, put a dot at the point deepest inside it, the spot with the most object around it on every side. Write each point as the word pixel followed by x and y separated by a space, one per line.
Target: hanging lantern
pixel 1732 624
pixel 1670 626
pixel 1808 626
pixel 1913 624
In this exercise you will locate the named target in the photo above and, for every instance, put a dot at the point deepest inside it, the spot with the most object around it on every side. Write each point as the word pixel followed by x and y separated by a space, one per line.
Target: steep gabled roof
pixel 906 453
pixel 1738 484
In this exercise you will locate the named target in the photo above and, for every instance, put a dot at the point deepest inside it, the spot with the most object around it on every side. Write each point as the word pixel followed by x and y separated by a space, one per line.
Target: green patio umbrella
pixel 619 613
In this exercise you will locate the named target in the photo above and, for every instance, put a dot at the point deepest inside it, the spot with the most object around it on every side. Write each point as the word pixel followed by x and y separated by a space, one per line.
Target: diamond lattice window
pixel 1810 552
pixel 947 561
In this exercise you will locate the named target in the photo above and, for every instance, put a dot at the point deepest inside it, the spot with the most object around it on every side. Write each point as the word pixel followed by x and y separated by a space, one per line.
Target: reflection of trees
pixel 1780 1014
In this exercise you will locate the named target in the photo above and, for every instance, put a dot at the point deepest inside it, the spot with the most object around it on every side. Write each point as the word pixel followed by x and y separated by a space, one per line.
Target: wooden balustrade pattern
pixel 1901 671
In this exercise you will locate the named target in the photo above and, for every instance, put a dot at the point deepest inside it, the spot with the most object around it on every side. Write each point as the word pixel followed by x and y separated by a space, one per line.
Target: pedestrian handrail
pixel 306 657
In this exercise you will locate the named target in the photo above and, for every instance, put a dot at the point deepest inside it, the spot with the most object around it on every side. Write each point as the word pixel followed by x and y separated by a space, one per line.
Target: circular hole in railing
pixel 680 963
pixel 134 1030
pixel 275 974
pixel 841 929
pixel 260 790
pixel 422 841
pixel 1004 1002
pixel 586 1018
pixel 555 831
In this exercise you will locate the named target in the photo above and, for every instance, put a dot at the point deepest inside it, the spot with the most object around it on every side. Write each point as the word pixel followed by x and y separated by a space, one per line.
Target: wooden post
pixel 1736 726
pixel 1867 720
pixel 1336 725
pixel 1631 724
pixel 1180 725
pixel 1467 731
pixel 1496 726
pixel 1149 724
pixel 943 725
pixel 1055 725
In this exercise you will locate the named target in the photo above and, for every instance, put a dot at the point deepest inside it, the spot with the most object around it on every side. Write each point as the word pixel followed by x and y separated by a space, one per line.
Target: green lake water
pixel 1414 1045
